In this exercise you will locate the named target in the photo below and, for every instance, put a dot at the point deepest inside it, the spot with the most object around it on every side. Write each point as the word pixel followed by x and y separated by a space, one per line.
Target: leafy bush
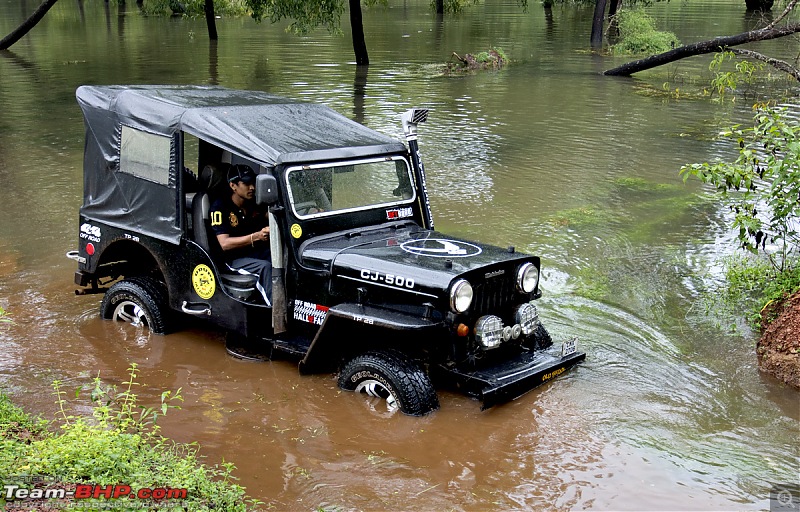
pixel 744 73
pixel 120 445
pixel 15 423
pixel 638 35
pixel 754 285
pixel 762 189
pixel 762 186
pixel 193 7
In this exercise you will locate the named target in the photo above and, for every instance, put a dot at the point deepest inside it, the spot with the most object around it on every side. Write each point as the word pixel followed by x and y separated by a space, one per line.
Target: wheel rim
pixel 129 312
pixel 374 388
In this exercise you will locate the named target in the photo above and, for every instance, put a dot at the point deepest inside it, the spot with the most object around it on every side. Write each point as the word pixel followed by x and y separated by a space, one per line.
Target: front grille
pixel 493 296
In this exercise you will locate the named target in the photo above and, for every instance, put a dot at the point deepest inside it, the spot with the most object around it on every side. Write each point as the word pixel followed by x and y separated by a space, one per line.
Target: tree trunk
pixel 211 21
pixel 596 39
pixel 759 5
pixel 26 25
pixel 440 6
pixel 613 26
pixel 357 25
pixel 359 93
pixel 702 47
pixel 213 63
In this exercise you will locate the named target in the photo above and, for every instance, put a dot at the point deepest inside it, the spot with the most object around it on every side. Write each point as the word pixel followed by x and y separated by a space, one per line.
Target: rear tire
pixel 391 376
pixel 140 301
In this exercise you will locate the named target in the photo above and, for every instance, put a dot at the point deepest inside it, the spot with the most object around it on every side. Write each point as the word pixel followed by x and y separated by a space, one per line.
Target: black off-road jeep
pixel 362 284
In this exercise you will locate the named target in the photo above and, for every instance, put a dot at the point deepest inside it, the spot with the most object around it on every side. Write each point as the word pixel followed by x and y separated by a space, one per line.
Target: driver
pixel 242 229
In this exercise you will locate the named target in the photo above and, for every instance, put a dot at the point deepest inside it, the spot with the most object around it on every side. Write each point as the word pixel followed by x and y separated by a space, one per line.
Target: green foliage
pixel 306 15
pixel 119 445
pixel 120 410
pixel 15 423
pixel 638 35
pixel 455 6
pixel 762 186
pixel 227 8
pixel 4 317
pixel 753 284
pixel 492 59
pixel 744 73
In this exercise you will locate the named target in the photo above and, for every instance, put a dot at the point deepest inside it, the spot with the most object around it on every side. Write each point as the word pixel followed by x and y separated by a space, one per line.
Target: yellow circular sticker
pixel 203 281
pixel 297 231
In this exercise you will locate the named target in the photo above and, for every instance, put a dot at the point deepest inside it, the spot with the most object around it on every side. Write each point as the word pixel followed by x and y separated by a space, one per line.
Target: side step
pixel 263 349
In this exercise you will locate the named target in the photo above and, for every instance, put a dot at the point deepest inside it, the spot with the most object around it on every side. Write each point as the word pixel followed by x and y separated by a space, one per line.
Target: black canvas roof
pixel 260 127
pixel 266 128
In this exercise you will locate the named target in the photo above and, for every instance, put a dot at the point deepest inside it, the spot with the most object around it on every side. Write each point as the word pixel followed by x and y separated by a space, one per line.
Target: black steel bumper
pixel 513 378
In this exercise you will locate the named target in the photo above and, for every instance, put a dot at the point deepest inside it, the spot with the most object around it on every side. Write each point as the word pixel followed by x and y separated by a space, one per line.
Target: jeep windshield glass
pixel 328 189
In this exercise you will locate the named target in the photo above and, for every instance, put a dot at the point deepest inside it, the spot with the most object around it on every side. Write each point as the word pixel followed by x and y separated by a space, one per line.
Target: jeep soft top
pixel 362 283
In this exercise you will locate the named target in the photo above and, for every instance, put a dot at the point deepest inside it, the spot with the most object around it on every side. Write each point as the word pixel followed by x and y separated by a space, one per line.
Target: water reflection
pixel 547 155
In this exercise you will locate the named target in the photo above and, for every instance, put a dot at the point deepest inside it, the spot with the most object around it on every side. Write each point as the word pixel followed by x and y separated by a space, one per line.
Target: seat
pixel 239 285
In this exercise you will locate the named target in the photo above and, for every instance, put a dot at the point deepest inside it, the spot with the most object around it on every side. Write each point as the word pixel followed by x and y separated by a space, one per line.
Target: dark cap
pixel 241 172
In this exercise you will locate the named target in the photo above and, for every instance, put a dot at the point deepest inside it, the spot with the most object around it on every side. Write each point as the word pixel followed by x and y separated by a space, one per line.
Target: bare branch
pixel 785 13
pixel 776 63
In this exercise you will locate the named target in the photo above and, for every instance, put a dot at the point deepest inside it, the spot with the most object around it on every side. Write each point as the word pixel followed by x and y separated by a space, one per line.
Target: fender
pixel 328 346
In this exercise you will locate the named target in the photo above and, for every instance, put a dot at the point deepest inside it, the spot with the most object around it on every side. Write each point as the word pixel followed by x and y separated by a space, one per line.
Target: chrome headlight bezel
pixel 527 277
pixel 461 295
pixel 489 331
pixel 526 315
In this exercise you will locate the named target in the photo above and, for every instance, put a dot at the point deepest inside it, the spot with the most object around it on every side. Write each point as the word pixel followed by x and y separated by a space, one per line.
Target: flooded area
pixel 668 412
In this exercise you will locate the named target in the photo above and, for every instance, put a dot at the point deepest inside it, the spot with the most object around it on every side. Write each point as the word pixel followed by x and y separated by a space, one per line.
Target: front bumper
pixel 513 378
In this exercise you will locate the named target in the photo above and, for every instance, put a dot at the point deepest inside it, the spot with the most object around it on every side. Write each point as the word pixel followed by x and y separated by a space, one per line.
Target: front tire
pixel 391 376
pixel 140 301
pixel 542 337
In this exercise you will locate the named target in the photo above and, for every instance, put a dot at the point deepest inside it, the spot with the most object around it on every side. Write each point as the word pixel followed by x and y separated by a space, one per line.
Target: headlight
pixel 460 296
pixel 527 277
pixel 527 317
pixel 489 331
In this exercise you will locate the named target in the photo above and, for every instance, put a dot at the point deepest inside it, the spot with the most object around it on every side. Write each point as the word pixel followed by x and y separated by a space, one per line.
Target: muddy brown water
pixel 667 413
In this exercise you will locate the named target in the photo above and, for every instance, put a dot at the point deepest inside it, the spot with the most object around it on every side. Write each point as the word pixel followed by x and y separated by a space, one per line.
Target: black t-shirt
pixel 229 219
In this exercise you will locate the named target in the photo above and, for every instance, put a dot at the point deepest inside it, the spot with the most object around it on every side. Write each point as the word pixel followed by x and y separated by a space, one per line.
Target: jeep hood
pixel 429 258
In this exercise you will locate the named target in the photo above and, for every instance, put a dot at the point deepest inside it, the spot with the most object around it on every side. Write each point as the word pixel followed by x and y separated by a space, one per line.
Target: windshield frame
pixel 390 204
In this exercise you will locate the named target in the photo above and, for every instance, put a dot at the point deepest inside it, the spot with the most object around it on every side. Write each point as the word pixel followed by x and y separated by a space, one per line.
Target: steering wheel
pixel 306 207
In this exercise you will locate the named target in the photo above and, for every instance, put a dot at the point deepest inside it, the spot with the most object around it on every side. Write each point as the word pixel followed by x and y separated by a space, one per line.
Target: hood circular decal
pixel 440 248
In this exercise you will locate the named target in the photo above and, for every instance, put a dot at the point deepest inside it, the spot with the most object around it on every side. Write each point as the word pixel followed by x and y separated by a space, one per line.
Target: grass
pixel 118 444
pixel 4 316
pixel 754 285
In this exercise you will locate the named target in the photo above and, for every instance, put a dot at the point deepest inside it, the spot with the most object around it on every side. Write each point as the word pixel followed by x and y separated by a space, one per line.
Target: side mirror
pixel 266 189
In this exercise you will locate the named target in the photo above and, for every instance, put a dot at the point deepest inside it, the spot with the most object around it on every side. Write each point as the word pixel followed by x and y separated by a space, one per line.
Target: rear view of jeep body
pixel 362 283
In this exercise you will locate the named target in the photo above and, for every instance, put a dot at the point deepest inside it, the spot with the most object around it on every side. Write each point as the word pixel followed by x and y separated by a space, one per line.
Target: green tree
pixel 307 15
pixel 762 186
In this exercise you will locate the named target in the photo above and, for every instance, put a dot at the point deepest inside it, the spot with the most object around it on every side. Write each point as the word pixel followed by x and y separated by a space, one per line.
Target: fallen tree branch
pixel 776 63
pixel 26 25
pixel 710 46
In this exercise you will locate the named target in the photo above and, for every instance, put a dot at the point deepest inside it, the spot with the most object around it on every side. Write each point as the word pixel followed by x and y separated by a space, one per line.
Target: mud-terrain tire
pixel 390 375
pixel 138 301
pixel 542 337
